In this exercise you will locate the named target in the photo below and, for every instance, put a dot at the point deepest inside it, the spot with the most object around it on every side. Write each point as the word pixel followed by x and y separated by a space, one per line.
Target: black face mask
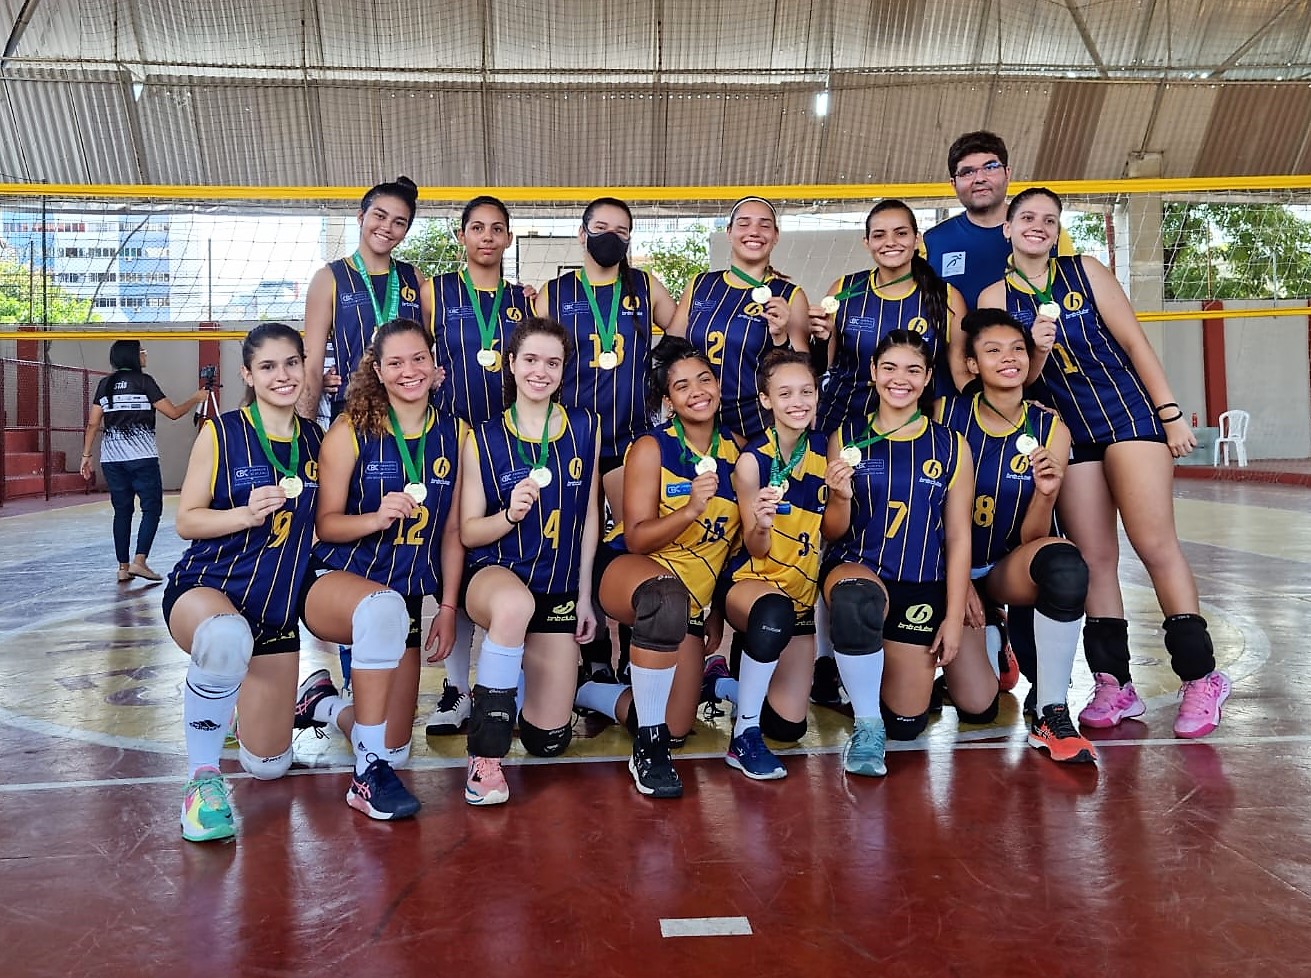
pixel 606 248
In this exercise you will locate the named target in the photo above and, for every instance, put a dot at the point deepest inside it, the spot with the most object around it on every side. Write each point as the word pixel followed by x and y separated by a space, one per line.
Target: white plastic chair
pixel 1233 431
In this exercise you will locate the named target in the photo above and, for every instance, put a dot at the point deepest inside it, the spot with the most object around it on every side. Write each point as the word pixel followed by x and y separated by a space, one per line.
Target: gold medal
pixel 706 465
pixel 541 476
pixel 1026 444
pixel 781 487
pixel 291 486
pixel 851 455
pixel 829 304
pixel 486 359
pixel 1050 310
pixel 761 294
pixel 608 360
pixel 416 491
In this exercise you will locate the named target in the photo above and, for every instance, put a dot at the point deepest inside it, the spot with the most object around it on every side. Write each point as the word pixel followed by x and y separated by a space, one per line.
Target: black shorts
pixel 555 614
pixel 1097 452
pixel 608 463
pixel 915 608
pixel 268 640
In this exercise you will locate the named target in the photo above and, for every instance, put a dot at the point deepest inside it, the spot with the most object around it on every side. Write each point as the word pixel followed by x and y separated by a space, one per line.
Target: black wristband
pixel 1177 417
pixel 506 512
pixel 1168 404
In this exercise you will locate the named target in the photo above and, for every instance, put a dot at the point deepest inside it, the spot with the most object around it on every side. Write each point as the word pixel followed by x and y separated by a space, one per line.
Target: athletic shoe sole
pixel 213 835
pixel 491 798
pixel 779 772
pixel 675 792
pixel 1084 755
pixel 869 770
pixel 362 804
pixel 1099 723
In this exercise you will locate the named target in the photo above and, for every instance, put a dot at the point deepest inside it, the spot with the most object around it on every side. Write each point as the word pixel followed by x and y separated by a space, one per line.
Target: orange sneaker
pixel 1054 732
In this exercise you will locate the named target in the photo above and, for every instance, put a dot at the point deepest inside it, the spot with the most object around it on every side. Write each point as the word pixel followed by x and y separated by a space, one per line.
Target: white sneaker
pixel 452 713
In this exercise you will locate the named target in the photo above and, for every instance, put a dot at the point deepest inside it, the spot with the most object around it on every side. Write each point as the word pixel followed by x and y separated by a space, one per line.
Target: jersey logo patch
pixel 381 470
pixel 953 263
pixel 252 475
pixel 353 298
pixel 1073 301
pixel 678 489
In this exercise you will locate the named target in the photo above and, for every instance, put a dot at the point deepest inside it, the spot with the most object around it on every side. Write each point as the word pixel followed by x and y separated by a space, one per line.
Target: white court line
pixel 704 926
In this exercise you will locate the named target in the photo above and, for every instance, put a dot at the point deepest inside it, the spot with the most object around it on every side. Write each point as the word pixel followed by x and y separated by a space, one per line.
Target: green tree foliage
pixel 28 298
pixel 431 247
pixel 674 260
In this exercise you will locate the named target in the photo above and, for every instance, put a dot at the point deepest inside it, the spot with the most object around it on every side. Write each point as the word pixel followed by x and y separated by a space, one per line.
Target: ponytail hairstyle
pixel 479 201
pixel 781 356
pixel 529 327
pixel 932 288
pixel 627 280
pixel 402 188
pixel 1029 194
pixel 366 397
pixel 255 339
pixel 663 356
pixel 125 355
pixel 914 341
pixel 732 214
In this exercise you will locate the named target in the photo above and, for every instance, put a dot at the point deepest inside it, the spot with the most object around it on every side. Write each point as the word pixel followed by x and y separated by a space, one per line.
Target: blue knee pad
pixel 379 627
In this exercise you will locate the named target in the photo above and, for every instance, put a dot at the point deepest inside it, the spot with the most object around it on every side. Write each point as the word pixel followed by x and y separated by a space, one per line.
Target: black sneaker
pixel 652 771
pixel 316 688
pixel 379 793
pixel 1031 701
pixel 452 713
pixel 826 687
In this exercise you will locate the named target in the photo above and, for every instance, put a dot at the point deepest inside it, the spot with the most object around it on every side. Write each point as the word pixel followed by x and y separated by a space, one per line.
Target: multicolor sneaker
pixel 316 687
pixel 485 784
pixel 1199 713
pixel 233 738
pixel 716 668
pixel 1056 733
pixel 652 770
pixel 866 748
pixel 747 752
pixel 206 814
pixel 379 793
pixel 452 713
pixel 1111 703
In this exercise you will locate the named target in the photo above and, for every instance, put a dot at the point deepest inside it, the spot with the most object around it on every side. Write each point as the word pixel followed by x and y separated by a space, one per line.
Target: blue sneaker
pixel 747 752
pixel 315 688
pixel 865 748
pixel 379 793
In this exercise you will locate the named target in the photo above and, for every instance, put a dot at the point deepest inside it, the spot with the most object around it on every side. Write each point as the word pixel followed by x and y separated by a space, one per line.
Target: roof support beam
pixel 24 18
pixel 1242 49
pixel 1085 35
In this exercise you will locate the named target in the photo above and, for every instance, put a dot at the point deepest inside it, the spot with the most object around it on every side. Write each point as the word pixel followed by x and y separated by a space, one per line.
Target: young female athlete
pixel 388 527
pixel 1103 377
pixel 681 522
pixel 735 315
pixel 350 297
pixel 902 292
pixel 472 313
pixel 897 573
pixel 1020 452
pixel 781 492
pixel 530 521
pixel 247 505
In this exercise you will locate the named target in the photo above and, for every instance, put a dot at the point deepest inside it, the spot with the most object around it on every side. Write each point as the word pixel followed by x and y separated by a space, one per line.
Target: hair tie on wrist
pixel 506 514
pixel 1168 404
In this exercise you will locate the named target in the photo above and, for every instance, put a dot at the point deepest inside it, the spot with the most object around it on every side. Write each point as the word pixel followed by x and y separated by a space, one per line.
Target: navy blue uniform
pixel 967 256
pixel 352 312
pixel 616 396
pixel 730 328
pixel 406 557
pixel 545 549
pixel 1088 377
pixel 1003 483
pixel 260 569
pixel 471 392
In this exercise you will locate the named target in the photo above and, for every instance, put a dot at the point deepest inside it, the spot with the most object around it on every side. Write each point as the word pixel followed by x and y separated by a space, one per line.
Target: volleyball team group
pixel 864 485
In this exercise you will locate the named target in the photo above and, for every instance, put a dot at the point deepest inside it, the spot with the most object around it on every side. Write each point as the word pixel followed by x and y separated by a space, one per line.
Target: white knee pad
pixel 222 646
pixel 265 768
pixel 398 757
pixel 379 627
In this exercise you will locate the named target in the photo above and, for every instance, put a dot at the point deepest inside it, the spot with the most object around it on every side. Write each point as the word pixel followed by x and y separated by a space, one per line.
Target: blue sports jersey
pixel 730 328
pixel 967 256
pixel 471 392
pixel 545 549
pixel 617 396
pixel 406 557
pixel 260 569
pixel 862 321
pixel 898 527
pixel 352 312
pixel 1088 377
pixel 1003 484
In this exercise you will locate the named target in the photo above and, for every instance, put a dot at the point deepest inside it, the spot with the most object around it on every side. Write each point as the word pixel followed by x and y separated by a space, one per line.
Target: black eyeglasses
pixel 965 172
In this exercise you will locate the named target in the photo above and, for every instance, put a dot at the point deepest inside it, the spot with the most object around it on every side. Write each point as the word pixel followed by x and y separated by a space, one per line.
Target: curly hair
pixel 366 397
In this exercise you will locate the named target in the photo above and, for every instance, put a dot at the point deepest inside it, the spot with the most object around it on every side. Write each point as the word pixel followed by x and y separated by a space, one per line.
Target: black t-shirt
pixel 128 399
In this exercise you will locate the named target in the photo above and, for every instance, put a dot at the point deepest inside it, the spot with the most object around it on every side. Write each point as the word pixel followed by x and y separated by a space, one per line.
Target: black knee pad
pixel 987 716
pixel 1106 647
pixel 769 627
pixel 1192 655
pixel 1061 574
pixel 491 722
pixel 903 728
pixel 856 609
pixel 661 607
pixel 544 743
pixel 775 727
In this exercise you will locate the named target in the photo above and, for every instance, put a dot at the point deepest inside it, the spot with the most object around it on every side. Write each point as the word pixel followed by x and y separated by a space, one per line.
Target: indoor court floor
pixel 975 857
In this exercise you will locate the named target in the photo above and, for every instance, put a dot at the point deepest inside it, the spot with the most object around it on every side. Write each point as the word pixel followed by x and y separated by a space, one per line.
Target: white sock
pixel 207 705
pixel 1056 641
pixel 651 694
pixel 862 677
pixel 600 697
pixel 992 639
pixel 499 665
pixel 326 709
pixel 823 644
pixel 752 685
pixel 726 689
pixel 370 744
pixel 457 663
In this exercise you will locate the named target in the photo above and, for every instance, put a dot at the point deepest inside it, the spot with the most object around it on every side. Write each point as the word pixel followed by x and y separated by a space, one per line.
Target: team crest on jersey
pixel 753 309
pixel 918 325
pixel 632 303
pixel 932 468
pixel 312 471
pixel 252 475
pixel 408 294
pixel 514 314
pixel 441 467
pixel 575 471
pixel 1020 464
pixel 1073 301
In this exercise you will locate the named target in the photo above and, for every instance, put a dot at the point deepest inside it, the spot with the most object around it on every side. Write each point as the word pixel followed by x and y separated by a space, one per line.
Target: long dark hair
pixel 529 327
pixel 669 351
pixel 484 199
pixel 933 288
pixel 627 279
pixel 125 355
pixel 260 335
pixel 366 397
pixel 914 341
pixel 977 320
pixel 402 188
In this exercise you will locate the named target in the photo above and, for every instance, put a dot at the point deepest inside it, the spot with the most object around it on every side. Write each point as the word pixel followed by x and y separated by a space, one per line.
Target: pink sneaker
pixel 485 784
pixel 1111 703
pixel 1199 713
